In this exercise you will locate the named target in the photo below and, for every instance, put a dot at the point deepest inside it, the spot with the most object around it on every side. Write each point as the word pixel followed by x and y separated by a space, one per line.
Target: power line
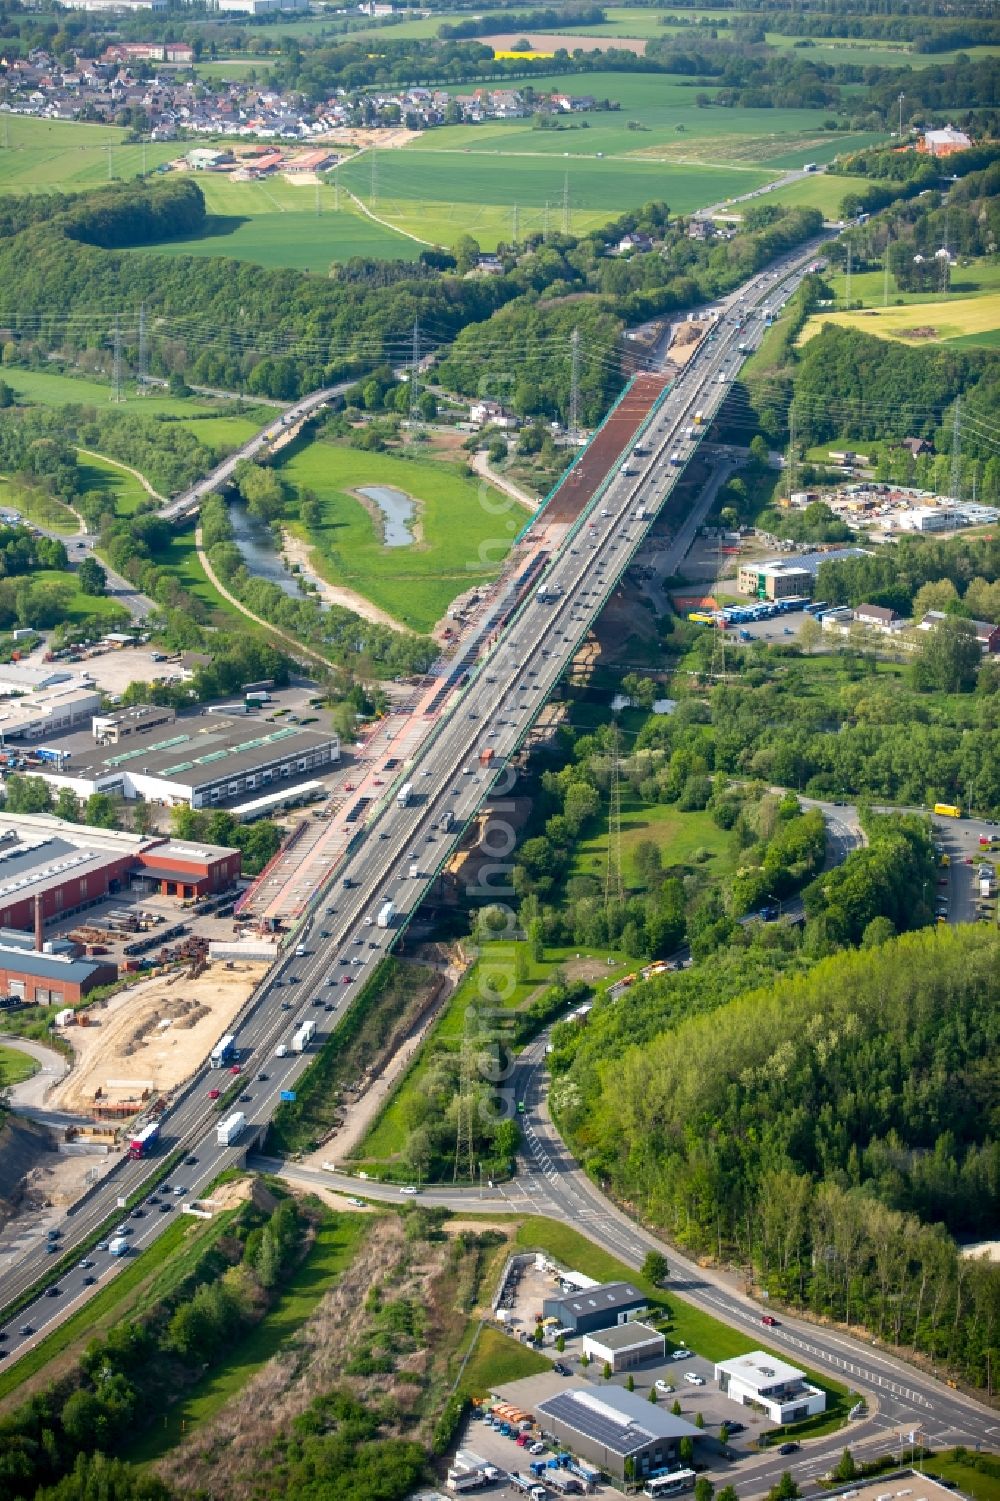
pixel 117 392
pixel 614 887
pixel 414 371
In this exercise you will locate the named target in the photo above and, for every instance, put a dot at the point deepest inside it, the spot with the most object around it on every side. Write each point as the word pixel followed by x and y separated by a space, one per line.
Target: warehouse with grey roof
pixel 204 761
pixel 613 1426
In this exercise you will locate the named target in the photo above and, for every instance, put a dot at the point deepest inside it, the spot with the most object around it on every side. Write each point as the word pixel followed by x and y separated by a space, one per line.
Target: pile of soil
pixel 22 1145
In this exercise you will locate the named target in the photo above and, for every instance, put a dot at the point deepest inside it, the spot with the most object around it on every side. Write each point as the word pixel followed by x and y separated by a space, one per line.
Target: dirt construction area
pixel 150 1038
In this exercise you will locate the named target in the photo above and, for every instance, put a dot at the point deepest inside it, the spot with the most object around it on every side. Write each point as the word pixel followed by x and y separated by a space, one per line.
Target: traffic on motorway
pixel 355 918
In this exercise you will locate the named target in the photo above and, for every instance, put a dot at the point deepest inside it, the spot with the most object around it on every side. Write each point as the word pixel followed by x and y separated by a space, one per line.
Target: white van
pixel 281 1051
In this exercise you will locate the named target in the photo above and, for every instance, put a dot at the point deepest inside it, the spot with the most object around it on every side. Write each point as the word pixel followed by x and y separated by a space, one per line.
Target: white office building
pixel 770 1385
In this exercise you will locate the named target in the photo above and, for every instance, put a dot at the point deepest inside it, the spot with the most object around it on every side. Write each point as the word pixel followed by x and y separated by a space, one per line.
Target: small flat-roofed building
pixel 188 870
pixel 774 580
pixel 625 1346
pixel 610 1426
pixel 50 979
pixel 762 1381
pixel 117 725
pixel 597 1307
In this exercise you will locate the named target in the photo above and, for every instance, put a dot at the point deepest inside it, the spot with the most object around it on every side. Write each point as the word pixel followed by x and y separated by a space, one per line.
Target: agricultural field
pixel 276 223
pixel 39 156
pixel 972 319
pixel 818 191
pixel 460 537
pixel 439 195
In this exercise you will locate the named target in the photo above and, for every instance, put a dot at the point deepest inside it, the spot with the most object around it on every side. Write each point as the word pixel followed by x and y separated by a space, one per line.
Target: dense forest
pixel 819 1128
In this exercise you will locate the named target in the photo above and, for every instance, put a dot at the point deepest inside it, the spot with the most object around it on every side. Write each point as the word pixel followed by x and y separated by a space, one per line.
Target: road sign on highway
pixel 287 1094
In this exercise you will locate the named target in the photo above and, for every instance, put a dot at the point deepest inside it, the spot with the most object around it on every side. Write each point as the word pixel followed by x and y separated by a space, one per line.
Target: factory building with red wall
pixel 188 870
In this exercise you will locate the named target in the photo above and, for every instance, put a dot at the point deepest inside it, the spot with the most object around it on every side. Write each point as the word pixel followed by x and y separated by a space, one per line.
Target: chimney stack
pixel 39 923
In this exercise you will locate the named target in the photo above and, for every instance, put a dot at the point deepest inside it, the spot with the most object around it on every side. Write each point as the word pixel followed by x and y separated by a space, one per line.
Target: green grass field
pixel 497 1359
pixel 462 535
pixel 387 1137
pixel 275 223
pixel 82 606
pixel 821 191
pixel 15 1067
pixel 38 156
pixel 48 388
pixel 337 1241
pixel 868 287
pixel 123 490
pixel 959 1466
pixel 181 557
pixel 682 838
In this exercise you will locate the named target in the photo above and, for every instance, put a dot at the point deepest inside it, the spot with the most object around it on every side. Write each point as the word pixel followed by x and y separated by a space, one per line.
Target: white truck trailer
pixel 303 1036
pixel 231 1128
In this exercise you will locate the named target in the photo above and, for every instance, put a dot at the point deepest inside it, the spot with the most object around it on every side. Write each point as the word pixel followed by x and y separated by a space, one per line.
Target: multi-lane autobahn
pixel 400 844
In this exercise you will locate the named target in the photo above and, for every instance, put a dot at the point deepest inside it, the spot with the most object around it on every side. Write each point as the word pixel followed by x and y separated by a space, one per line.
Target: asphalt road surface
pixel 401 843
pixel 189 501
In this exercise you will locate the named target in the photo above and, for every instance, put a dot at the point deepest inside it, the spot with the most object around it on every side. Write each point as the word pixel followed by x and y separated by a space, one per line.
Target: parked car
pixel 682 1353
pixel 560 1369
pixel 693 1379
pixel 664 1387
pixel 790 1448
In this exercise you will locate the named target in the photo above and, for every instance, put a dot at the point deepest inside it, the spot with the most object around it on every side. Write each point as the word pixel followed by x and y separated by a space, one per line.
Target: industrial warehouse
pixel 596 1306
pixel 204 761
pixel 51 870
pixel 614 1428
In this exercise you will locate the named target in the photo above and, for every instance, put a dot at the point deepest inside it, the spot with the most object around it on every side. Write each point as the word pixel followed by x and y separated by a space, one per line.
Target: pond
pixel 256 544
pixel 397 513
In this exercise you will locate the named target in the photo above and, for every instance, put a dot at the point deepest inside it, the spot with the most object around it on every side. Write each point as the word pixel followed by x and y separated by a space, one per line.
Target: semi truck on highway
pixel 675 457
pixel 118 1246
pixel 142 1143
pixel 230 1129
pixel 486 756
pixel 224 1052
pixel 699 418
pixel 303 1036
pixel 547 592
pixel 405 795
pixel 386 913
pixel 446 820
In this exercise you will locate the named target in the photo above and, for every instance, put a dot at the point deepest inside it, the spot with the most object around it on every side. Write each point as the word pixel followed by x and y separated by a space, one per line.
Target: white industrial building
pixel 770 1385
pixel 55 710
pixel 927 519
pixel 205 761
pixel 625 1346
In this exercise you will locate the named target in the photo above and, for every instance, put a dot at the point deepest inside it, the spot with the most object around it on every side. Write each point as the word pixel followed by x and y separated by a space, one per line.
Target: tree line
pixel 820 1129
